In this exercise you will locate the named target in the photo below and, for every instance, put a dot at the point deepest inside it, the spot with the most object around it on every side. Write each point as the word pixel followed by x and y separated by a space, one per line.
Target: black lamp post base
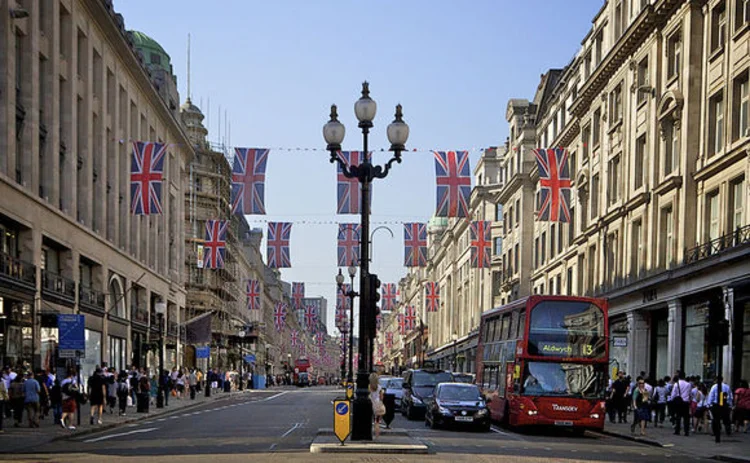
pixel 160 398
pixel 362 410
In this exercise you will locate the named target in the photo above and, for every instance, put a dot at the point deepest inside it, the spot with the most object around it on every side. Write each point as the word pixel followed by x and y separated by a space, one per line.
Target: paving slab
pixel 391 441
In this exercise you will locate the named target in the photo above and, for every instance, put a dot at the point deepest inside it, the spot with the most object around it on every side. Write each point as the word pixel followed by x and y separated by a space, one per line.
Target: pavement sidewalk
pixel 17 439
pixel 734 448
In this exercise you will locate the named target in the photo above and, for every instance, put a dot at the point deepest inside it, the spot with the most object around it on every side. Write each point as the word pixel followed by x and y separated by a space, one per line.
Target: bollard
pixel 389 400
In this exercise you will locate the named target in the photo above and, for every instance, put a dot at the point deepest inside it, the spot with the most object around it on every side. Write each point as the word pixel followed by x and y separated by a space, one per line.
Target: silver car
pixel 393 385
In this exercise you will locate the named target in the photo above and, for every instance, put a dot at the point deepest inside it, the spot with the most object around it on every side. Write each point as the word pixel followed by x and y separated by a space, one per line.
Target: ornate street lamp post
pixel 333 132
pixel 454 337
pixel 161 309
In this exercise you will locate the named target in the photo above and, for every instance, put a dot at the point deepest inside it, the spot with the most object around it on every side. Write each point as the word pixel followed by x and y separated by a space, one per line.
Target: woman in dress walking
pixel 376 397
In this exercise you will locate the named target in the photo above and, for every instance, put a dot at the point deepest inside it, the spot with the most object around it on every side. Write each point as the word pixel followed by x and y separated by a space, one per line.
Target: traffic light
pixel 373 295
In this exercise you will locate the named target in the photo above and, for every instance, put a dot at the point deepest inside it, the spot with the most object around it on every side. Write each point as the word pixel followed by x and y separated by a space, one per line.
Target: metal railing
pixel 138 315
pixel 90 297
pixel 58 284
pixel 17 269
pixel 717 245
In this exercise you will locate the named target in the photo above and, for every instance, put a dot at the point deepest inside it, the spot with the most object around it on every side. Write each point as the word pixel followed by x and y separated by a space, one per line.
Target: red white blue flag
pixel 453 183
pixel 253 294
pixel 481 244
pixel 279 316
pixel 554 184
pixel 401 324
pixel 415 244
pixel 294 338
pixel 389 339
pixel 146 176
pixel 298 294
pixel 389 293
pixel 380 352
pixel 248 180
pixel 432 295
pixel 348 244
pixel 378 322
pixel 278 244
pixel 311 318
pixel 214 248
pixel 349 195
pixel 410 317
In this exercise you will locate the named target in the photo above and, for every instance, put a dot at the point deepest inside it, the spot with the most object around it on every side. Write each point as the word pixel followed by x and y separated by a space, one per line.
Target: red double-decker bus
pixel 543 360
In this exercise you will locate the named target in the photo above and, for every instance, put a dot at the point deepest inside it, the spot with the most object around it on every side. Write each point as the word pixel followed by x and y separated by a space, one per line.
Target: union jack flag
pixel 311 318
pixel 432 295
pixel 320 340
pixel 278 244
pixel 302 349
pixel 349 198
pixel 389 295
pixel 415 244
pixel 342 300
pixel 298 293
pixel 253 294
pixel 341 318
pixel 380 352
pixel 410 317
pixel 401 324
pixel 378 322
pixel 481 243
pixel 453 183
pixel 554 184
pixel 294 338
pixel 146 176
pixel 248 180
pixel 389 339
pixel 215 245
pixel 279 316
pixel 348 248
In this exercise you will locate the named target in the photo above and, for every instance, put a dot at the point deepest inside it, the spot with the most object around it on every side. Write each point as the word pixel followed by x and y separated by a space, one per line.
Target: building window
pixel 674 52
pixel 569 282
pixel 613 182
pixel 518 211
pixel 498 212
pixel 671 138
pixel 594 196
pixel 667 236
pixel 552 237
pixel 498 242
pixel 597 122
pixel 572 165
pixel 716 124
pixel 611 270
pixel 639 162
pixel 741 15
pixel 515 258
pixel 712 215
pixel 643 80
pixel 510 218
pixel 736 201
pixel 587 66
pixel 718 27
pixel 741 109
pixel 571 226
pixel 585 139
pixel 591 270
pixel 619 15
pixel 636 248
pixel 598 47
pixel 615 105
pixel 543 244
pixel 536 252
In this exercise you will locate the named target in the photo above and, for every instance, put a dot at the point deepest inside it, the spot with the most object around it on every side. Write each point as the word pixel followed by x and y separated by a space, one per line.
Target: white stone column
pixel 638 358
pixel 674 339
pixel 727 360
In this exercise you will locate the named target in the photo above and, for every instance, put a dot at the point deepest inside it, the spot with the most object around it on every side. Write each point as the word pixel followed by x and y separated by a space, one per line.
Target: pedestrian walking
pixel 642 410
pixel 144 390
pixel 17 393
pixel 111 382
pixel 97 392
pixel 659 403
pixel 70 391
pixel 741 414
pixel 31 401
pixel 56 401
pixel 700 415
pixel 620 390
pixel 376 397
pixel 4 398
pixel 720 402
pixel 681 403
pixel 193 382
pixel 123 393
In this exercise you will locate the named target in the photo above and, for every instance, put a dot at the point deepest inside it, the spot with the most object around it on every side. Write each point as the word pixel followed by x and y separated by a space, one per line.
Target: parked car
pixel 460 404
pixel 418 388
pixel 394 386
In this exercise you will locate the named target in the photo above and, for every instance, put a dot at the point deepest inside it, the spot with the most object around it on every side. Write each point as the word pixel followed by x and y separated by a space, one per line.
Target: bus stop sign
pixel 342 422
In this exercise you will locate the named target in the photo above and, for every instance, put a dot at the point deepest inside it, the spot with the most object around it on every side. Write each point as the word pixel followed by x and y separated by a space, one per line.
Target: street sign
pixel 203 352
pixel 72 336
pixel 250 358
pixel 342 422
pixel 349 390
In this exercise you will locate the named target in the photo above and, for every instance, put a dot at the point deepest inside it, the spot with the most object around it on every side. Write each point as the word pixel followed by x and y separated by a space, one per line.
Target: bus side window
pixel 500 379
pixel 521 323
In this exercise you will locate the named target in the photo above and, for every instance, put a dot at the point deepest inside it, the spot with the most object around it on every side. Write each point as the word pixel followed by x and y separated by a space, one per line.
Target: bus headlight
pixel 595 416
pixel 532 412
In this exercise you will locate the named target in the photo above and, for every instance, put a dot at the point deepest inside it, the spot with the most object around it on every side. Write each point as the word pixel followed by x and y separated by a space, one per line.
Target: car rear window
pixel 431 379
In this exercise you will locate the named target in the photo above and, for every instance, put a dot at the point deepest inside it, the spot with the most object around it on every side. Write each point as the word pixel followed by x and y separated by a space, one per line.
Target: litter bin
pixel 389 400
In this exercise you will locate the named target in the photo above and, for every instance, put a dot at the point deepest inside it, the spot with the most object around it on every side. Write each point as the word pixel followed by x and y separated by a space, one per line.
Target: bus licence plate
pixel 464 418
pixel 563 423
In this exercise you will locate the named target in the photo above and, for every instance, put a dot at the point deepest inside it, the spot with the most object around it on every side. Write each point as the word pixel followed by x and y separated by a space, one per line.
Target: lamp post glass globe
pixel 398 131
pixel 352 270
pixel 365 108
pixel 334 131
pixel 340 278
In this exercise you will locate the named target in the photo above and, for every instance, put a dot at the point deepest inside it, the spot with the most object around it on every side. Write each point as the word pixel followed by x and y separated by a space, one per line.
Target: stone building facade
pixel 73 96
pixel 653 111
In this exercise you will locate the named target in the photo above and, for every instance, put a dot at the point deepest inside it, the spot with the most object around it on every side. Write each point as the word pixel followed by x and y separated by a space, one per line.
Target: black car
pixel 460 404
pixel 418 388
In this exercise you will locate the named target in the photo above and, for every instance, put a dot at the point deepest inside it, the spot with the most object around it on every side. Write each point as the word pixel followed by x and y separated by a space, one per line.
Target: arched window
pixel 116 299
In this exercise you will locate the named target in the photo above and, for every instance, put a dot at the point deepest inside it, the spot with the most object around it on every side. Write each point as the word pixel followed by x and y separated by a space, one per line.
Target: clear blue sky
pixel 276 67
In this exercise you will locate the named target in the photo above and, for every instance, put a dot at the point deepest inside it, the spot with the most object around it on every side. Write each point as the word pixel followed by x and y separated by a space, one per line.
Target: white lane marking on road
pixel 136 431
pixel 272 447
pixel 291 430
pixel 270 398
pixel 497 431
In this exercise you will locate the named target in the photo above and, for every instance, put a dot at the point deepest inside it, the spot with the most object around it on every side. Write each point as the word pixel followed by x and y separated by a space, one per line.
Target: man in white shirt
pixel 680 402
pixel 720 402
pixel 8 377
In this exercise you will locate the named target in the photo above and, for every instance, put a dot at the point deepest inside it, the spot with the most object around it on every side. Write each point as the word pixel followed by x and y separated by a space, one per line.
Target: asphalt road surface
pixel 282 426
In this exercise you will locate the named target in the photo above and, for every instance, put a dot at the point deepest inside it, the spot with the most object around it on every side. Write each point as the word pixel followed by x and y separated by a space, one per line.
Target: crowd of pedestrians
pixel 685 403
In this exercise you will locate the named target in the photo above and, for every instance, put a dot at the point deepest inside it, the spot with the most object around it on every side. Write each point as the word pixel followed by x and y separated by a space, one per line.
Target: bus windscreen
pixel 564 379
pixel 567 329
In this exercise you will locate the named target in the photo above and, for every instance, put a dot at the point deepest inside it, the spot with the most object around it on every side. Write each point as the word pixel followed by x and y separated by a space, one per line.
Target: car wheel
pixel 485 427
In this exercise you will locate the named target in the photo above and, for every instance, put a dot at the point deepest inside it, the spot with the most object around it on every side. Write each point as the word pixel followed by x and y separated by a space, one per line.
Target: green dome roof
pixel 153 53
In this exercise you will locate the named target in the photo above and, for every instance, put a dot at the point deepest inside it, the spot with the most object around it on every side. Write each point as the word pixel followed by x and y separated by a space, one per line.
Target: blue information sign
pixel 72 335
pixel 202 352
pixel 250 358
